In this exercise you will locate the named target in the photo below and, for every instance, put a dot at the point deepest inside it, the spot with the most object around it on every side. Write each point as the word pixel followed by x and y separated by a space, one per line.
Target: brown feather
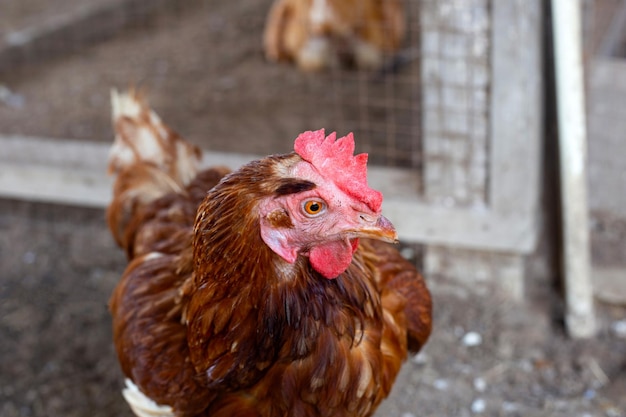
pixel 205 319
pixel 293 26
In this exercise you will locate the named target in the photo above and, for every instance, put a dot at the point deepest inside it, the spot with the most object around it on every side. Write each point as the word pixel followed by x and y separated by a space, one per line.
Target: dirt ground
pixel 58 264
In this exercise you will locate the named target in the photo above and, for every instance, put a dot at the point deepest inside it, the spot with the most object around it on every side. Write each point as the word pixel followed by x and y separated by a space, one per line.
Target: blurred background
pixel 461 122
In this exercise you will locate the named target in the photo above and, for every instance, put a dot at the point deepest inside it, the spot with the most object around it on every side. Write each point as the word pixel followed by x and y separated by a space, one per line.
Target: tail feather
pixel 143 406
pixel 140 135
pixel 147 157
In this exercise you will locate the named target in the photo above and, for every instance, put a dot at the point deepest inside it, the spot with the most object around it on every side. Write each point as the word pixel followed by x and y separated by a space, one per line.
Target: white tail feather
pixel 141 135
pixel 124 105
pixel 143 406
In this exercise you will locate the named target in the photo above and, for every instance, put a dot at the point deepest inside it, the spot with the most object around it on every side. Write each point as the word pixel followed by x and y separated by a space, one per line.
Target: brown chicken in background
pixel 316 34
pixel 268 291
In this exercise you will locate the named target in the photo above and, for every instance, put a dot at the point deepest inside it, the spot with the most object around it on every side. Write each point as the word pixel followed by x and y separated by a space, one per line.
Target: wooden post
pixel 566 21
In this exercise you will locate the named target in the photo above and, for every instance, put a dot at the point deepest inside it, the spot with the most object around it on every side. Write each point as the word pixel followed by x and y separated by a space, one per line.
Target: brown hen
pixel 268 291
pixel 316 34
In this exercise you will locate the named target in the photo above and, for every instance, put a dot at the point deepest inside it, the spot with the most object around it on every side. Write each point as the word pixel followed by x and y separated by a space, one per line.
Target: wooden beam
pixel 516 106
pixel 570 88
pixel 74 172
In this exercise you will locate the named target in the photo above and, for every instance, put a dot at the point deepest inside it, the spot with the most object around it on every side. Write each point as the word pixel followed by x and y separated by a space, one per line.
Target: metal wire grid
pixel 389 107
pixel 382 108
pixel 456 71
pixel 430 103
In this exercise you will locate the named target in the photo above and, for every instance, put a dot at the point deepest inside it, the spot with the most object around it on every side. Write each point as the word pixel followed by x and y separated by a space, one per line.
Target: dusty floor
pixel 486 356
pixel 59 264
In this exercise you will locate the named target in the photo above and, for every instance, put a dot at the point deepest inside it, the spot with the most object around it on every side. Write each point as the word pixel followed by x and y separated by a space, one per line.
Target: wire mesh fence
pixel 202 64
pixel 426 110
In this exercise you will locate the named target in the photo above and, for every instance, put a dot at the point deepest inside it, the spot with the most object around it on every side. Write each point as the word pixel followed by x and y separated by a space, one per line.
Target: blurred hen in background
pixel 317 34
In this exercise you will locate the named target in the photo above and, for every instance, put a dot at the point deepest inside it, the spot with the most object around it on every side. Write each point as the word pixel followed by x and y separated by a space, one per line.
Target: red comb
pixel 336 159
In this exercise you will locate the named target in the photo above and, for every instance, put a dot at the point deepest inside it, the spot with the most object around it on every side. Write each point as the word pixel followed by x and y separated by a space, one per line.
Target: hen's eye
pixel 313 207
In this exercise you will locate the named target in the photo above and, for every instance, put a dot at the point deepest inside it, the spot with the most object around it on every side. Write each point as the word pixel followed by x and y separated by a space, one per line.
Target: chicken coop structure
pixel 453 123
pixel 605 56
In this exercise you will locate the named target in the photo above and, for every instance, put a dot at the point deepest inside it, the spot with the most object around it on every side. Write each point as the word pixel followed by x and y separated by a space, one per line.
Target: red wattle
pixel 333 258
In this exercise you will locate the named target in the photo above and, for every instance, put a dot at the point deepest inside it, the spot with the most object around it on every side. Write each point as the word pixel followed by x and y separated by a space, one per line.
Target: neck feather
pixel 249 307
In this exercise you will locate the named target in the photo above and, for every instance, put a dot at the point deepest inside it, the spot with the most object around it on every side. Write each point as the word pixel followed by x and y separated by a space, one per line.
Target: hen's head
pixel 324 205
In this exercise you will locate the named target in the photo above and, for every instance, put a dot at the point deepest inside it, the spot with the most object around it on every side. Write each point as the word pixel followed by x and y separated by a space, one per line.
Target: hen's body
pixel 210 321
pixel 317 34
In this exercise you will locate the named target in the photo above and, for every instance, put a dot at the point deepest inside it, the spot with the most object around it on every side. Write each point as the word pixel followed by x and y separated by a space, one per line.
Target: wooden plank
pixel 570 87
pixel 74 172
pixel 516 108
pixel 509 225
pixel 606 125
pixel 55 185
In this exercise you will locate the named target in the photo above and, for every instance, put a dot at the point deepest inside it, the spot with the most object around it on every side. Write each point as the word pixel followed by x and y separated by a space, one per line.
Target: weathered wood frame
pixel 509 222
pixel 72 172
